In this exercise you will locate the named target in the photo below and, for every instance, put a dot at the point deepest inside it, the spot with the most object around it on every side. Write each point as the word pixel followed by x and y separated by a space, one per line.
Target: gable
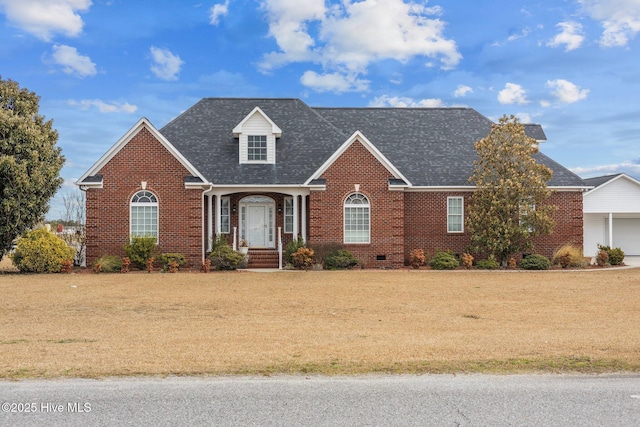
pixel 360 139
pixel 617 195
pixel 93 178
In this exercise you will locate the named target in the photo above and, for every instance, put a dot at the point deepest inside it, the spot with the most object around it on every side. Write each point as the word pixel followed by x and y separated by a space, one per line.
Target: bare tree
pixel 76 234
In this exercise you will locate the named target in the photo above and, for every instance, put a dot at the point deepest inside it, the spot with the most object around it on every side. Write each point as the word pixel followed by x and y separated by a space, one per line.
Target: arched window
pixel 357 222
pixel 144 214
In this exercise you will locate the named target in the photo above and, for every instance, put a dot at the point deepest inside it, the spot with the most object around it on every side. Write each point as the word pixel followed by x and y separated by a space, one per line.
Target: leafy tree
pixel 30 162
pixel 508 207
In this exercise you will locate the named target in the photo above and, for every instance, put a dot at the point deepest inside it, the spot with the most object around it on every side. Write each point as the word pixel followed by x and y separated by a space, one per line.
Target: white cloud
pixel 43 18
pixel 72 62
pixel 512 94
pixel 566 92
pixel 348 36
pixel 333 82
pixel 218 11
pixel 404 102
pixel 462 91
pixel 524 117
pixel 620 19
pixel 103 107
pixel 571 36
pixel 628 167
pixel 166 65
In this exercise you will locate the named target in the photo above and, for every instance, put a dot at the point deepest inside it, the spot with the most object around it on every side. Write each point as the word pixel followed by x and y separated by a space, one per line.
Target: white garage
pixel 612 214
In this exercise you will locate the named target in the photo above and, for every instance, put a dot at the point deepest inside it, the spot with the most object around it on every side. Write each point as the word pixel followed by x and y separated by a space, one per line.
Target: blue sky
pixel 98 66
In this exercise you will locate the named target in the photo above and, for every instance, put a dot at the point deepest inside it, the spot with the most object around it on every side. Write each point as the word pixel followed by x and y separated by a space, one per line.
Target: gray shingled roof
pixel 429 146
pixel 599 180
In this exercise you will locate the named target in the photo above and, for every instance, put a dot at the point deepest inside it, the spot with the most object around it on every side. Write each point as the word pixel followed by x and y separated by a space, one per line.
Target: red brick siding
pixel 426 223
pixel 326 214
pixel 144 158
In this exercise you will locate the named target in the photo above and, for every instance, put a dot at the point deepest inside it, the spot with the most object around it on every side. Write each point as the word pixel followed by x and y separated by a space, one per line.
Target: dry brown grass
pixel 89 325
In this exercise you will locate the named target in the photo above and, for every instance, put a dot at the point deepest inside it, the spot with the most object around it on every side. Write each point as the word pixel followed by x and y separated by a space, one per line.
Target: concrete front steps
pixel 263 258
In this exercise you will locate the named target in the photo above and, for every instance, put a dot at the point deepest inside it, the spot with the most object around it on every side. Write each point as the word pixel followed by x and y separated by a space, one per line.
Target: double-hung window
pixel 143 219
pixel 224 215
pixel 455 214
pixel 288 214
pixel 257 148
pixel 357 220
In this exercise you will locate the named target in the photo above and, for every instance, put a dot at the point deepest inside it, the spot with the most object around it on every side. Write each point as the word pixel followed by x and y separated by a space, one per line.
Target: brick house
pixel 381 181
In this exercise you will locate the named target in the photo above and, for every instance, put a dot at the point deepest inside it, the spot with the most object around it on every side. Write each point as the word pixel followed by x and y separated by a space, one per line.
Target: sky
pixel 572 66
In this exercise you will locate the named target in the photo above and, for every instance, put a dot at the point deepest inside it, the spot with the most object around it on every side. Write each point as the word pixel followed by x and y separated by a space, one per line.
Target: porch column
pixel 218 210
pixel 304 218
pixel 611 229
pixel 295 216
pixel 210 220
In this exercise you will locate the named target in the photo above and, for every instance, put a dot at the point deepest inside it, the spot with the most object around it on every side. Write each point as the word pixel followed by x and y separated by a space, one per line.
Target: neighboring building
pixel 381 181
pixel 612 214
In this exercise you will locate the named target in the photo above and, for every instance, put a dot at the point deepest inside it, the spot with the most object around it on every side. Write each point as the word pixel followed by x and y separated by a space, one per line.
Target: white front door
pixel 257 226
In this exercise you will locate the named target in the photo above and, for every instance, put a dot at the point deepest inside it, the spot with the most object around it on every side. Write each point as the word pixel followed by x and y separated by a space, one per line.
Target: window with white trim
pixel 288 214
pixel 257 148
pixel 224 215
pixel 524 211
pixel 455 214
pixel 357 221
pixel 143 218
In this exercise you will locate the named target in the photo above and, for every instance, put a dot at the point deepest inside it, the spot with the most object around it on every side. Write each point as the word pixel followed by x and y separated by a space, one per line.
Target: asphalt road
pixel 429 400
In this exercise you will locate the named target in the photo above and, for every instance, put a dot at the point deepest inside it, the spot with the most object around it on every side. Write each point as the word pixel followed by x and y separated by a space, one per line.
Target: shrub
pixel 322 250
pixel 488 264
pixel 444 260
pixel 140 249
pixel 340 260
pixel 303 258
pixel 126 262
pixel 602 259
pixel 616 255
pixel 205 266
pixel 467 260
pixel 149 264
pixel 40 251
pixel 169 259
pixel 512 263
pixel 224 257
pixel 67 266
pixel 108 264
pixel 535 262
pixel 568 256
pixel 416 258
pixel 292 248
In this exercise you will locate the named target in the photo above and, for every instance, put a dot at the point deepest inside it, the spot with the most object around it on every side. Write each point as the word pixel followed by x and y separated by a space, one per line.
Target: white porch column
pixel 210 220
pixel 218 210
pixel 304 218
pixel 611 229
pixel 295 217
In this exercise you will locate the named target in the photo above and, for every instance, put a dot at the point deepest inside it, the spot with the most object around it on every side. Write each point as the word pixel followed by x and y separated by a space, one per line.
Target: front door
pixel 257 227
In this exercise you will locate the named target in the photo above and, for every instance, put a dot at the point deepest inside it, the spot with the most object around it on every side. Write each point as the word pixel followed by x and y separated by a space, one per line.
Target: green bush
pixel 140 249
pixel 616 255
pixel 488 264
pixel 444 260
pixel 340 260
pixel 223 257
pixel 292 248
pixel 109 263
pixel 40 251
pixel 166 259
pixel 535 262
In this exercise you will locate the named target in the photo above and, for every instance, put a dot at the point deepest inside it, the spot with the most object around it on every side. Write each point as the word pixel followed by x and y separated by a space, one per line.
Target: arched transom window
pixel 144 214
pixel 357 221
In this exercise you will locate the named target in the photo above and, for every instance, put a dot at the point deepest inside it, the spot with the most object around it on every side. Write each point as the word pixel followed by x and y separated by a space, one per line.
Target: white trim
pixel 344 218
pixel 461 215
pixel 124 140
pixel 274 128
pixel 358 136
pixel 622 175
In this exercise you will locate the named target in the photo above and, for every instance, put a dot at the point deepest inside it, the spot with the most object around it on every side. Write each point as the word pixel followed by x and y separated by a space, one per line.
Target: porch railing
pixel 280 248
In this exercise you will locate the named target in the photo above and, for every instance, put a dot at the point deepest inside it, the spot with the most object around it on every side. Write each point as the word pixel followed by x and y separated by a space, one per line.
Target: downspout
pixel 204 234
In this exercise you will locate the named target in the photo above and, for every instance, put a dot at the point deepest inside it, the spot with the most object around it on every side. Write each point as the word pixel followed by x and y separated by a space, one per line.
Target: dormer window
pixel 257 148
pixel 257 135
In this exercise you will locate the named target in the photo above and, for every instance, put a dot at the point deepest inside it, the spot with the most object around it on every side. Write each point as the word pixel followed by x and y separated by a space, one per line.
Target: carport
pixel 612 214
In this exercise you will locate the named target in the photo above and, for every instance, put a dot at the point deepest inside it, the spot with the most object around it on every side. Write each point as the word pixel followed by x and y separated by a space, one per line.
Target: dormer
pixel 257 135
